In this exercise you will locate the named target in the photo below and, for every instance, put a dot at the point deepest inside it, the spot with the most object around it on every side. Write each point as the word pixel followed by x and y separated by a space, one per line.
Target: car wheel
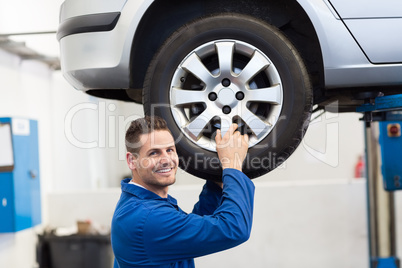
pixel 230 68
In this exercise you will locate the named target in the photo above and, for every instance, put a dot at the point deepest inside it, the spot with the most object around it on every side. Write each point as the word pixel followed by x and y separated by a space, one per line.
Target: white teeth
pixel 164 170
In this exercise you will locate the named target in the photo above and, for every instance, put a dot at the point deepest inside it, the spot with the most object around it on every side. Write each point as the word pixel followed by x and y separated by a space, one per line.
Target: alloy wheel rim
pixel 221 82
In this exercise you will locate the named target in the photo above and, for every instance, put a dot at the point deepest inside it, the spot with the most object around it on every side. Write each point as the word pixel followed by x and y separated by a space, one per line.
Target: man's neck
pixel 139 185
pixel 161 192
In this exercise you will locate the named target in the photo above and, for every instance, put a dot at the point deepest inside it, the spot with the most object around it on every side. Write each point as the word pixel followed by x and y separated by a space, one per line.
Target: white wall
pixel 77 148
pixel 25 92
pixel 316 223
pixel 289 229
pixel 291 201
pixel 28 89
pixel 88 138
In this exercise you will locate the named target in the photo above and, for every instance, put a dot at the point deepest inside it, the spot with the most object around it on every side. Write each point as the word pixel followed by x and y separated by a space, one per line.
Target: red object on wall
pixel 359 168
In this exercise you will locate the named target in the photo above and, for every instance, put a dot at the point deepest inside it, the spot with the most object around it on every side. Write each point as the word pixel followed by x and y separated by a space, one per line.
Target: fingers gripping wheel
pixel 225 69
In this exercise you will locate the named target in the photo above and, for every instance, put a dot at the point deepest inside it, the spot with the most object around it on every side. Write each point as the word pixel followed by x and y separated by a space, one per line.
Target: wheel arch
pixel 164 17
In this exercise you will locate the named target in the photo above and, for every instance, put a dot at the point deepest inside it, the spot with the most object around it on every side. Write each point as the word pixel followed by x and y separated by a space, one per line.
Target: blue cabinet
pixel 20 203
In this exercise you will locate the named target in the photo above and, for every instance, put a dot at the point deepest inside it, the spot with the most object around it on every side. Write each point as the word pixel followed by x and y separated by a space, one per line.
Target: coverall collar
pixel 144 193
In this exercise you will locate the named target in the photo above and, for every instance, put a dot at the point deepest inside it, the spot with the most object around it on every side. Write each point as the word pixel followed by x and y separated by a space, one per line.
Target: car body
pixel 350 51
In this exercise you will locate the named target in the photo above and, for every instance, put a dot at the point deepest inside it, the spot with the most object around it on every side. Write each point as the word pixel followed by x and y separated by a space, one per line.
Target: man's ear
pixel 131 161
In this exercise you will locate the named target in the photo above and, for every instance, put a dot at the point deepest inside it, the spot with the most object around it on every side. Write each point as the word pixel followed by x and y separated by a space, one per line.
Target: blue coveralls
pixel 150 231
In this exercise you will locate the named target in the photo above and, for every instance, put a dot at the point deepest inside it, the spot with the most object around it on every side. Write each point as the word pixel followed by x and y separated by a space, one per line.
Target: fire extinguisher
pixel 359 167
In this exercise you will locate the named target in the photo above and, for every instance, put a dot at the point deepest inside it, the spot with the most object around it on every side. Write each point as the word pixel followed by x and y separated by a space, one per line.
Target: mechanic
pixel 148 227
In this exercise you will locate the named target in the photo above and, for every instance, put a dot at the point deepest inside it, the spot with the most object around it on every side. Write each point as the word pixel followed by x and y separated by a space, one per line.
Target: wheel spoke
pixel 180 96
pixel 195 127
pixel 194 65
pixel 270 95
pixel 257 63
pixel 225 56
pixel 257 126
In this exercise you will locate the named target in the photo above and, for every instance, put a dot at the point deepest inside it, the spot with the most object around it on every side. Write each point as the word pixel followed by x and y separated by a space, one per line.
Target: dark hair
pixel 141 126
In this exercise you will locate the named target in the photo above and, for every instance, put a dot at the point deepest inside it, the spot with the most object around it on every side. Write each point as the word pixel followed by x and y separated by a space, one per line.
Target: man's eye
pixel 152 153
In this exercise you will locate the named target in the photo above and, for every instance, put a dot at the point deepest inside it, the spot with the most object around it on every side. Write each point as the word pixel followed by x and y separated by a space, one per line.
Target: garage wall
pixel 88 138
pixel 25 91
pixel 29 89
pixel 82 150
pixel 78 150
pixel 299 223
pixel 79 154
pixel 83 136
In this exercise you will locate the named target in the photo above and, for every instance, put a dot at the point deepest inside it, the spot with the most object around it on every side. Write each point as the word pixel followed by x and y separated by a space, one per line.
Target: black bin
pixel 74 251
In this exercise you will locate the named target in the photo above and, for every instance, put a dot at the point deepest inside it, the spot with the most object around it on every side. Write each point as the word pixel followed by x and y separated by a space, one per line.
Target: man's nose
pixel 165 159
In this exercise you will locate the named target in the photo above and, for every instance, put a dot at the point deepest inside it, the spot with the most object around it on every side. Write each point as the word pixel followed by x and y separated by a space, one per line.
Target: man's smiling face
pixel 156 164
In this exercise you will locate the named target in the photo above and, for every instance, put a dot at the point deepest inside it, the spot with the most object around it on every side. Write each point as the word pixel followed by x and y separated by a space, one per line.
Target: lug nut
pixel 226 82
pixel 226 109
pixel 212 96
pixel 239 95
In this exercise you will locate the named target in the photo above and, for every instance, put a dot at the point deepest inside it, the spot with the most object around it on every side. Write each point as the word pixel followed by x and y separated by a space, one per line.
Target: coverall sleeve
pixel 209 200
pixel 172 236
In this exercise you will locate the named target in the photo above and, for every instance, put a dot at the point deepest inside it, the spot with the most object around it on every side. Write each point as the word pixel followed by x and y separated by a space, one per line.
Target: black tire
pixel 292 109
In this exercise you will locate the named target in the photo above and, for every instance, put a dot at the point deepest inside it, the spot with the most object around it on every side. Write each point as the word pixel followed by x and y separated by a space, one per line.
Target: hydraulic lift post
pixel 383 142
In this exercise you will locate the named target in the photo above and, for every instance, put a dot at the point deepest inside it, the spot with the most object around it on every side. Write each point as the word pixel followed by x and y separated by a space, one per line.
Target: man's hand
pixel 232 148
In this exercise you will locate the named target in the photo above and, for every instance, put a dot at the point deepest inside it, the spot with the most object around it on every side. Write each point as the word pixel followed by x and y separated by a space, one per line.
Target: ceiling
pixel 28 29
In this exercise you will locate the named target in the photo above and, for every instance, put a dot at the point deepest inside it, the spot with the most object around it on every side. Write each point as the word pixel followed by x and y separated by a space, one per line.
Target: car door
pixel 375 25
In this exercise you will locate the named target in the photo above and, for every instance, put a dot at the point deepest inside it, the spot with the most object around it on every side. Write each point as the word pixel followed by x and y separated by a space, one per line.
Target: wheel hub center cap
pixel 226 96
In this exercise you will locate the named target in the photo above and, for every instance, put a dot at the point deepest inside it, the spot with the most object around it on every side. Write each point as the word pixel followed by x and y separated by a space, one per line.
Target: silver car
pixel 204 64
